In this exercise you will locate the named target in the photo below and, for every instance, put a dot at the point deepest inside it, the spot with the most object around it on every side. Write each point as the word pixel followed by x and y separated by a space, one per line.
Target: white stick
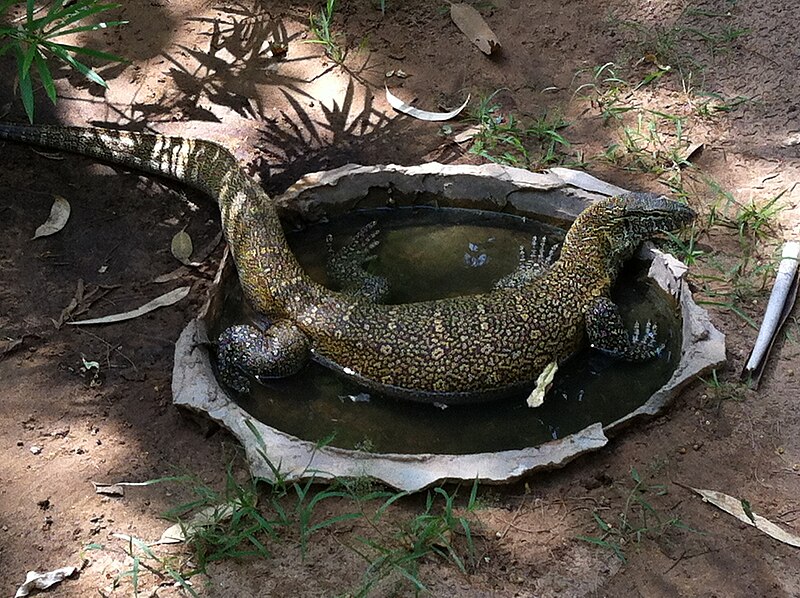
pixel 783 282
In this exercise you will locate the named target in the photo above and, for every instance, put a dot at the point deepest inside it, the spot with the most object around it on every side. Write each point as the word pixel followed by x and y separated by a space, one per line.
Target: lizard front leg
pixel 607 333
pixel 531 265
pixel 244 351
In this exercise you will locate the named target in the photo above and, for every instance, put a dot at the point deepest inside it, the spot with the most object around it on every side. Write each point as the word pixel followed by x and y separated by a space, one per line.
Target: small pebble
pixel 682 450
pixel 36 450
pixel 697 446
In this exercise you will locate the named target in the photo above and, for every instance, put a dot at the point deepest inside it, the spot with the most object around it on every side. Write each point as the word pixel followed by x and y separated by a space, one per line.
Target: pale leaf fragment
pixel 543 384
pixel 474 27
pixel 59 214
pixel 203 518
pixel 109 489
pixel 42 581
pixel 182 247
pixel 8 345
pixel 467 135
pixel 401 106
pixel 734 506
pixel 162 301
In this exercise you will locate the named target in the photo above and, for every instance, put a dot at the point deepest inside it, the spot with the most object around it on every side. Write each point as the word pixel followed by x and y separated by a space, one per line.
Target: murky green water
pixel 429 253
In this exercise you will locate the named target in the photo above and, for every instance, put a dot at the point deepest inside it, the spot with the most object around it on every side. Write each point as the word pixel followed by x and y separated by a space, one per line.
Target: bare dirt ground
pixel 197 69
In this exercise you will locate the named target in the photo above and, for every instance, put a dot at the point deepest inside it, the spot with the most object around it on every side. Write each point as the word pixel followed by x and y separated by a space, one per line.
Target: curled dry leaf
pixel 182 247
pixel 59 214
pixel 42 581
pixel 474 27
pixel 401 106
pixel 162 301
pixel 202 255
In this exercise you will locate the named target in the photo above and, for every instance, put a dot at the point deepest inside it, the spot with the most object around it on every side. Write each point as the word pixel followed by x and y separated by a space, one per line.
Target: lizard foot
pixel 531 264
pixel 607 333
pixel 244 351
pixel 644 343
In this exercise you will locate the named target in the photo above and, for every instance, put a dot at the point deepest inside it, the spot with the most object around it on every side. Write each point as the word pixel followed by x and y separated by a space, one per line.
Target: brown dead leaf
pixel 474 27
pixel 202 256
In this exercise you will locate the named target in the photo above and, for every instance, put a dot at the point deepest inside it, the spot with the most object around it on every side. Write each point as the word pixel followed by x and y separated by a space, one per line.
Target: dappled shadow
pixel 245 48
pixel 350 130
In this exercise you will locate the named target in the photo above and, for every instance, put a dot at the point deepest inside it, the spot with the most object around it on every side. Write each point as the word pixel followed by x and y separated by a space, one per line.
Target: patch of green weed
pixel 33 39
pixel 321 25
pixel 638 520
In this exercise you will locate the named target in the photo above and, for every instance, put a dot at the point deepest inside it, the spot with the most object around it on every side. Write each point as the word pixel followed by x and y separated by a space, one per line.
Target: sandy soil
pixel 196 69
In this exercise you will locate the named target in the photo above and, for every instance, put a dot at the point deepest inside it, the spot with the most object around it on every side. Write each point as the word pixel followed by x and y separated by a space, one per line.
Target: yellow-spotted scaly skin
pixel 451 350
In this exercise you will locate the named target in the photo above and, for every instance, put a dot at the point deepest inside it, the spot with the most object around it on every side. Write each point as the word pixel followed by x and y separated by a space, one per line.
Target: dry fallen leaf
pixel 43 581
pixel 543 384
pixel 474 27
pixel 202 255
pixel 203 518
pixel 59 214
pixel 10 344
pixel 162 301
pixel 182 247
pixel 109 489
pixel 401 106
pixel 735 507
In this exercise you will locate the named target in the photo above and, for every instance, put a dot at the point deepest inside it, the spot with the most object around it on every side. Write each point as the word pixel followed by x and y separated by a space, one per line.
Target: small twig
pixel 109 346
pixel 691 556
pixel 510 524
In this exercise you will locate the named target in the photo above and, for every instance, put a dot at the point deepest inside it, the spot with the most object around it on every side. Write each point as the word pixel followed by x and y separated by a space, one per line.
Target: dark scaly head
pixel 612 229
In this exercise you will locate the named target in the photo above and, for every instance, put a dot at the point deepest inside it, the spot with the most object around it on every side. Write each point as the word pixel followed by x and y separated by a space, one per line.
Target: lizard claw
pixel 532 264
pixel 644 342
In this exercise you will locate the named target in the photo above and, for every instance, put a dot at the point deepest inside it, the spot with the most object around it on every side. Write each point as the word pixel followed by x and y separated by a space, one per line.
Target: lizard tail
pixel 249 219
pixel 197 163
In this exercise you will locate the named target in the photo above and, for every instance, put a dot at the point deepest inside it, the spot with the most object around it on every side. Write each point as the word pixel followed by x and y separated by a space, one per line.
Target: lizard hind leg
pixel 244 351
pixel 607 333
pixel 346 265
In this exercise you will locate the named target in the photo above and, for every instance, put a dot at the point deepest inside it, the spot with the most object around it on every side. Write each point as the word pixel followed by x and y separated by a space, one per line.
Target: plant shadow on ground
pixel 353 131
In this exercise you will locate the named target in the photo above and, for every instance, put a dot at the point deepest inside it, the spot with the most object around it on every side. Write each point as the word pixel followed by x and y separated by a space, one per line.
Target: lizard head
pixel 616 226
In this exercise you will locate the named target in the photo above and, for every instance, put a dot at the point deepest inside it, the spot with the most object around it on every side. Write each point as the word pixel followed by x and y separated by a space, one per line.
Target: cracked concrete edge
pixel 557 193
pixel 702 346
pixel 195 388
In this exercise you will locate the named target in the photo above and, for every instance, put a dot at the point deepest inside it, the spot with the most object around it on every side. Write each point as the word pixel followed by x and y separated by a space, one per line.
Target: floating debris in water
pixel 361 397
pixel 472 258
